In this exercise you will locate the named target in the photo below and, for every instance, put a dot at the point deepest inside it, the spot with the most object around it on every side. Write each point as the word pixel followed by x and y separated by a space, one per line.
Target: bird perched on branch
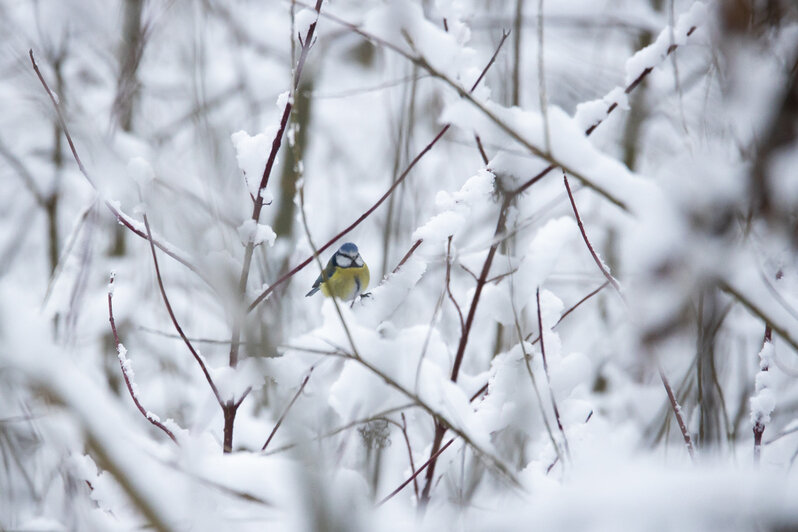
pixel 346 275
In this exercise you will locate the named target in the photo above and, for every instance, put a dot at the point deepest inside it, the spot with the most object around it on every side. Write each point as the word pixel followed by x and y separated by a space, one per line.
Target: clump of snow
pixel 457 208
pixel 232 383
pixel 303 20
pixel 403 24
pixel 283 98
pixel 654 53
pixel 391 294
pixel 251 154
pixel 590 113
pixel 127 369
pixel 763 401
pixel 255 233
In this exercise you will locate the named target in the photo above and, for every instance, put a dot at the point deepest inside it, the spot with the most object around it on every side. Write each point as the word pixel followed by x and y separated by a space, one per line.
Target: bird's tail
pixel 312 291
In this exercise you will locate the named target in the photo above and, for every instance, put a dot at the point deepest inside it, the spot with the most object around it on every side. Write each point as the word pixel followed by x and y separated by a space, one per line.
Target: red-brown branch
pixel 596 258
pixel 440 428
pixel 149 417
pixel 285 412
pixel 677 412
pixel 418 472
pixel 408 254
pixel 172 316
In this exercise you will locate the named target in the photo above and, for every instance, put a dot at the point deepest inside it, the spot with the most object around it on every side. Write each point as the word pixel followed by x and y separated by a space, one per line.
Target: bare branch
pixel 448 285
pixel 124 363
pixel 599 263
pixel 172 316
pixel 677 412
pixel 548 379
pixel 424 466
pixel 285 412
pixel 408 254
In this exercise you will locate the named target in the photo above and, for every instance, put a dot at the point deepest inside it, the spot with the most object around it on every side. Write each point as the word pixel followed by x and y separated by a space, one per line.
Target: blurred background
pixel 703 153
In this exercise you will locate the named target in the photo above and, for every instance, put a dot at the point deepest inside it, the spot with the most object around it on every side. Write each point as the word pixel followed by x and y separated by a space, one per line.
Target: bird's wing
pixel 329 271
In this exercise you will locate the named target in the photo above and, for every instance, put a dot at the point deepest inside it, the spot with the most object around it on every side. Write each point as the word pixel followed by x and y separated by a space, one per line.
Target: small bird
pixel 347 276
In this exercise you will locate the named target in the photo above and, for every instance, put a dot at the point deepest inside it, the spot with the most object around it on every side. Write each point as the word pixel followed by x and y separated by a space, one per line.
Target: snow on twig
pixel 763 401
pixel 127 366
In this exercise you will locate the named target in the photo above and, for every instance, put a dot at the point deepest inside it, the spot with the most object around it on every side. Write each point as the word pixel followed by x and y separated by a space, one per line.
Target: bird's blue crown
pixel 349 249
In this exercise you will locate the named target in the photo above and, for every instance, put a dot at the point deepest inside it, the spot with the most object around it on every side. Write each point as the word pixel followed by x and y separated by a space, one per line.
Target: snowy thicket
pixel 579 218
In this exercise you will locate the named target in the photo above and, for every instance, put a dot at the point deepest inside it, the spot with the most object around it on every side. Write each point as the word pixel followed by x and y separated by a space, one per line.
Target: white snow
pixel 252 232
pixel 303 20
pixel 351 402
pixel 140 171
pixel 282 99
pixel 654 53
pixel 764 401
pixel 251 154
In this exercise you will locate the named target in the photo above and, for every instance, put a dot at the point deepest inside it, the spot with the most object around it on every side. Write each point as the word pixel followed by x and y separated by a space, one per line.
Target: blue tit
pixel 347 275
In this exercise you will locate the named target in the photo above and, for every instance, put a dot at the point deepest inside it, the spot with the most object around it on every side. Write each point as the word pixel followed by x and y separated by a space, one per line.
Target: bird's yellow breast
pixel 346 283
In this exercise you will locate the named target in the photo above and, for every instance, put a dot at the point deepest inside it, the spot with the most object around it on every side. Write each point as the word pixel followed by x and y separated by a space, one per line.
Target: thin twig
pixel 347 426
pixel 516 80
pixel 448 286
pixel 573 308
pixel 677 412
pixel 481 281
pixel 548 378
pixel 544 104
pixel 596 258
pixel 527 363
pixel 496 278
pixel 557 458
pixel 484 387
pixel 172 316
pixel 418 472
pixel 409 453
pixel 285 412
pixel 481 149
pixel 408 254
pixel 120 349
pixel 639 79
